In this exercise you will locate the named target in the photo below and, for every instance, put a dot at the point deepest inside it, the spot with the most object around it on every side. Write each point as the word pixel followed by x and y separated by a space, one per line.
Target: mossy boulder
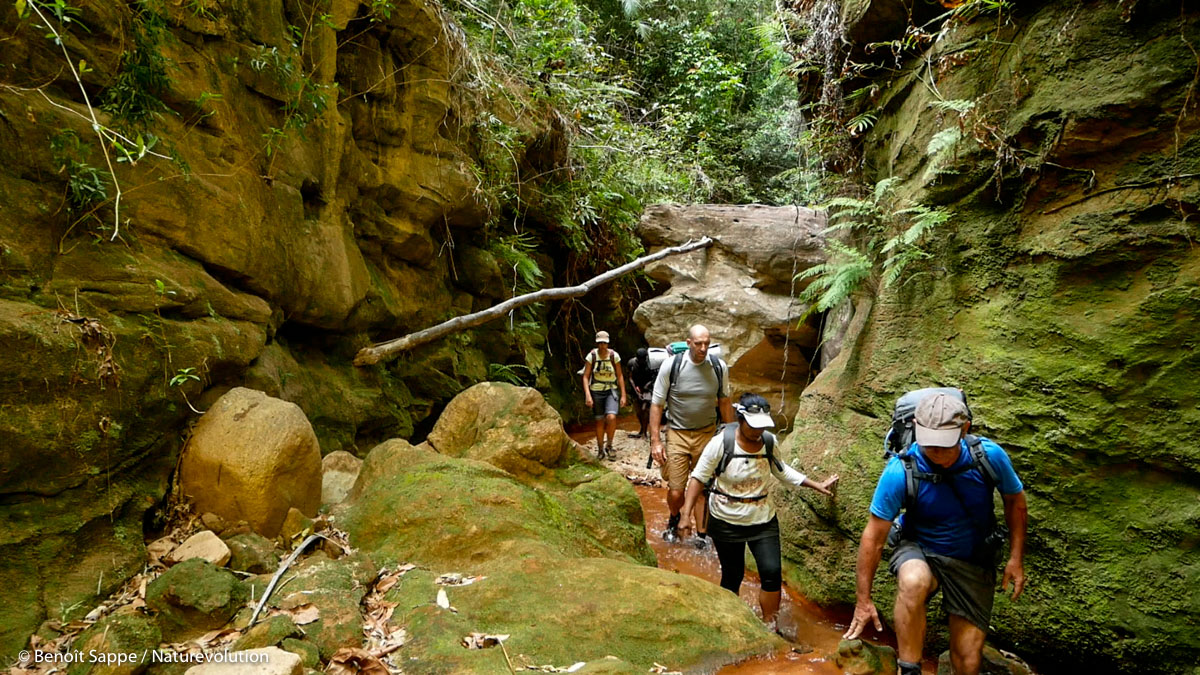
pixel 124 633
pixel 510 427
pixel 859 657
pixel 335 588
pixel 413 504
pixel 268 633
pixel 194 597
pixel 309 653
pixel 252 553
pixel 563 612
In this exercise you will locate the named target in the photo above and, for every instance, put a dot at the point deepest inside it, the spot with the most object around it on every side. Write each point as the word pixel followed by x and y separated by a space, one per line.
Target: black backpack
pixel 728 435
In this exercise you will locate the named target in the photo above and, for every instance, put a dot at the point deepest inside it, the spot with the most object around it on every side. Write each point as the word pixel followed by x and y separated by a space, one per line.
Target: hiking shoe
pixel 701 540
pixel 600 452
pixel 633 435
pixel 671 534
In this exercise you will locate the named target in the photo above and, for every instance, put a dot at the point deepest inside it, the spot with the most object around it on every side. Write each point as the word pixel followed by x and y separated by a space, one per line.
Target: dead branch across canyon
pixel 387 350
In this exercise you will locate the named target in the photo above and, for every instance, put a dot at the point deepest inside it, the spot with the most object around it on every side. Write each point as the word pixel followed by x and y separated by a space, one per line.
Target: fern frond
pixel 943 140
pixel 960 106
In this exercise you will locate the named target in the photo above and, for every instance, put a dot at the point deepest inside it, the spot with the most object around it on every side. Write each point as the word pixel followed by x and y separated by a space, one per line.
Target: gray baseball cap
pixel 939 420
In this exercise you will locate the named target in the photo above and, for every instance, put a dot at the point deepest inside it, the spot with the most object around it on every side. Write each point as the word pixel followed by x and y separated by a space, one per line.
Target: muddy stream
pixel 817 629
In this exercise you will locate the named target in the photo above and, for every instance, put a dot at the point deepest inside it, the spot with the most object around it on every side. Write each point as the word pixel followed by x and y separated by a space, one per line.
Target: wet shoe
pixel 671 534
pixel 701 541
pixel 633 435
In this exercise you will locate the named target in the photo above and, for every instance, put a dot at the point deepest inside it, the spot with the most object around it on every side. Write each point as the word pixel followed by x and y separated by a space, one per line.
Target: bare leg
pixel 966 645
pixel 599 435
pixel 700 514
pixel 916 583
pixel 769 601
pixel 611 423
pixel 675 501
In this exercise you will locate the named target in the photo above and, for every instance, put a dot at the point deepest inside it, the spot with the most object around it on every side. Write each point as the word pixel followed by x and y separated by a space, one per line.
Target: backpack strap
pixel 979 458
pixel 729 452
pixel 716 364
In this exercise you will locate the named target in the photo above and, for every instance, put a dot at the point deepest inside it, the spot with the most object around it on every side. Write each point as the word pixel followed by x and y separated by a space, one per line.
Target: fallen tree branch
pixel 282 568
pixel 386 350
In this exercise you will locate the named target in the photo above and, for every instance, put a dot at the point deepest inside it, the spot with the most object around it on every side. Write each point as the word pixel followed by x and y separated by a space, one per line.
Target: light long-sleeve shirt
pixel 744 477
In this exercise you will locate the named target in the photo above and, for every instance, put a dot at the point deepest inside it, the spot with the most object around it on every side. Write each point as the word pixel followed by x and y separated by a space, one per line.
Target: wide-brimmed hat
pixel 939 420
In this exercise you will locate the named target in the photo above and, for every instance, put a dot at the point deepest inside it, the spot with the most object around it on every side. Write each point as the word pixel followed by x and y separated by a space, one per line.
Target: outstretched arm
pixel 870 550
pixel 1016 513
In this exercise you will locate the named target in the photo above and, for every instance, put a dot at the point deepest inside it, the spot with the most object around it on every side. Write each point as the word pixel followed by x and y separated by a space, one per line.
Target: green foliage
pixel 513 373
pixel 183 376
pixel 514 253
pixel 133 97
pixel 886 238
pixel 86 185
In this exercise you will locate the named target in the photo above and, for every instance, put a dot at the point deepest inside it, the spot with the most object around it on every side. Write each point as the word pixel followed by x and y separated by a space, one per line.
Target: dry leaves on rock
pixel 660 669
pixel 482 640
pixel 456 579
pixel 354 661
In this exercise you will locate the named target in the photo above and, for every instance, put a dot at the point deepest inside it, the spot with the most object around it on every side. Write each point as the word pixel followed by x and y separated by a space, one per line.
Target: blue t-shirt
pixel 948 517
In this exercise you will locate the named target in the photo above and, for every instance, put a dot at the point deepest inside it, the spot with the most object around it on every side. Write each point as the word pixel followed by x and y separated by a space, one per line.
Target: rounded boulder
pixel 509 427
pixel 252 457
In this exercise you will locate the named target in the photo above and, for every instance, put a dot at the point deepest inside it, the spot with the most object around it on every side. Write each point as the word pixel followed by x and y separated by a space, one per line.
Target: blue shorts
pixel 605 403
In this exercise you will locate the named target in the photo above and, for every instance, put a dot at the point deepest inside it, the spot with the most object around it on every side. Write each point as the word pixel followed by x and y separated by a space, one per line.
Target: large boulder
pixel 564 612
pixel 510 427
pixel 252 457
pixel 413 504
pixel 741 288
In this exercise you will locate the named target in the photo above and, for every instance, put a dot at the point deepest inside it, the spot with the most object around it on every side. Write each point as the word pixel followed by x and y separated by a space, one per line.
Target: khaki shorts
pixel 683 451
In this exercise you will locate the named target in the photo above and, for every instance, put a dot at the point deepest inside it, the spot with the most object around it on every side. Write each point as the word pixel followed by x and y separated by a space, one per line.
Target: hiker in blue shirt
pixel 946 540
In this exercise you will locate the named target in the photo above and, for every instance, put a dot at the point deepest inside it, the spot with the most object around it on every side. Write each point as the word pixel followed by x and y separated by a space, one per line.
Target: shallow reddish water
pixel 817 628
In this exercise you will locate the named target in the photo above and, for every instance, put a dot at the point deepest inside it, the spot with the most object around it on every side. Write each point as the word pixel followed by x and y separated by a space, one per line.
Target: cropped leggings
pixel 766 552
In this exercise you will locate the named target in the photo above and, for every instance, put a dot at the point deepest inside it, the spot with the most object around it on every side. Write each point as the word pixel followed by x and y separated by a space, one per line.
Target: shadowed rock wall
pixel 1063 296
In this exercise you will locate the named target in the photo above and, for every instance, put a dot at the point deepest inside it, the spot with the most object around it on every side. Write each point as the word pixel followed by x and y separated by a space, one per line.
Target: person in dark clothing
pixel 641 378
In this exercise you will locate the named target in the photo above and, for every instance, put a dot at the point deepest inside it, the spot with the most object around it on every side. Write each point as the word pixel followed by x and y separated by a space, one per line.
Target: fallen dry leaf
pixel 354 661
pixel 304 614
pixel 456 579
pixel 482 641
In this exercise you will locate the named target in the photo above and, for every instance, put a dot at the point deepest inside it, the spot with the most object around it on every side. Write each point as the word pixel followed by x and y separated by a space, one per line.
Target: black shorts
pixel 967 589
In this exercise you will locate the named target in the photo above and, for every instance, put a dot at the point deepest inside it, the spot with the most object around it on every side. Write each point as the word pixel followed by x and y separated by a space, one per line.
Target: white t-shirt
pixel 744 477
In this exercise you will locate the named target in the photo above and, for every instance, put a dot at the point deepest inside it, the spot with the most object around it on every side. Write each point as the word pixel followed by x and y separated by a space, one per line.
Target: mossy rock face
pixel 1067 314
pixel 193 597
pixel 563 612
pixel 412 504
pixel 125 633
